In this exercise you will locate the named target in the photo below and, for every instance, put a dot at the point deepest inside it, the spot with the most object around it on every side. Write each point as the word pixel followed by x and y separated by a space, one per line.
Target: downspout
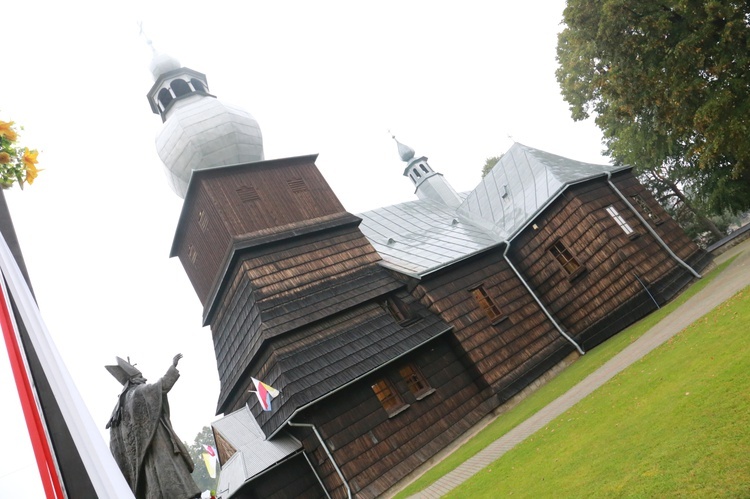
pixel 322 485
pixel 538 301
pixel 325 448
pixel 649 228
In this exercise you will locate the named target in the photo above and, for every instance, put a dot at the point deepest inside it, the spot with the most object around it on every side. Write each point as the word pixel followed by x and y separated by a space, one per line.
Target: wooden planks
pixel 611 258
pixel 373 450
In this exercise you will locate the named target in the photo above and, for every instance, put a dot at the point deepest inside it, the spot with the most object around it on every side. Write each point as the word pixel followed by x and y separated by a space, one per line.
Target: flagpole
pixel 31 410
pixel 98 467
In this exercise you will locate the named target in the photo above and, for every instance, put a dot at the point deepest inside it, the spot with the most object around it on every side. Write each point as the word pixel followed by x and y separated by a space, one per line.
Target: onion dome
pixel 405 152
pixel 428 183
pixel 199 130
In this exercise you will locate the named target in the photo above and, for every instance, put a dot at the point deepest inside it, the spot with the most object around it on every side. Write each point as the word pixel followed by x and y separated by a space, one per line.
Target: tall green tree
pixel 668 82
pixel 196 450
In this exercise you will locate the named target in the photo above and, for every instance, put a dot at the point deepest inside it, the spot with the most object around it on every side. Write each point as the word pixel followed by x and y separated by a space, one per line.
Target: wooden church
pixel 391 333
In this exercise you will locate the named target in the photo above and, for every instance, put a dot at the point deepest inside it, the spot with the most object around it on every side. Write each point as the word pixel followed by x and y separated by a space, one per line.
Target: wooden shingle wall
pixel 502 351
pixel 234 202
pixel 270 284
pixel 611 258
pixel 373 450
pixel 668 229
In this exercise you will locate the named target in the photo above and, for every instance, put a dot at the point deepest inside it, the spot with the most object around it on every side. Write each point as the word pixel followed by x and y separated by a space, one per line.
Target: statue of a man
pixel 154 461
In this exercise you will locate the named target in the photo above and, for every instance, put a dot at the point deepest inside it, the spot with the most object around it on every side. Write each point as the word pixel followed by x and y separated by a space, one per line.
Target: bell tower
pixel 199 130
pixel 429 184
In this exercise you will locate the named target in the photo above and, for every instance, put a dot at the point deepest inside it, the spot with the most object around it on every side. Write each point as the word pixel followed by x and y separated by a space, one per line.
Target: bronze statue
pixel 154 461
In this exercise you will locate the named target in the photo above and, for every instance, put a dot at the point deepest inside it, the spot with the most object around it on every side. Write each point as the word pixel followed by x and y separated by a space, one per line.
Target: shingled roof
pixel 315 361
pixel 278 314
pixel 419 237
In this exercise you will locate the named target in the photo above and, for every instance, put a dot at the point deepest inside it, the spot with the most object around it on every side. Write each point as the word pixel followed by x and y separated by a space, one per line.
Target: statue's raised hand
pixel 176 359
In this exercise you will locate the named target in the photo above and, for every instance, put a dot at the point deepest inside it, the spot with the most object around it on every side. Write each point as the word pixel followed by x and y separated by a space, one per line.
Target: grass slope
pixel 673 424
pixel 571 376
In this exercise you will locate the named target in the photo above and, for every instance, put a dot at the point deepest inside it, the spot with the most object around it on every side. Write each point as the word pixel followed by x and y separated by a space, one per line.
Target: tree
pixel 669 85
pixel 196 449
pixel 489 164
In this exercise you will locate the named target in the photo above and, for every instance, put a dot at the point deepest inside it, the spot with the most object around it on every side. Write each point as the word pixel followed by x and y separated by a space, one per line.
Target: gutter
pixel 316 475
pixel 538 301
pixel 330 456
pixel 649 228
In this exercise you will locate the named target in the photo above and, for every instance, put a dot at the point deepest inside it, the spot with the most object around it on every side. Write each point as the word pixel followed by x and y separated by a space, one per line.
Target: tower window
pixel 565 258
pixel 180 87
pixel 247 193
pixel 626 228
pixel 198 85
pixel 388 397
pixel 424 168
pixel 646 209
pixel 416 383
pixel 416 172
pixel 297 185
pixel 485 303
pixel 165 97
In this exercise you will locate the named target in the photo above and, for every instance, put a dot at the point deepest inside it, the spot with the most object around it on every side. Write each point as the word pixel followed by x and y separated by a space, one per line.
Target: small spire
pixel 405 152
pixel 160 63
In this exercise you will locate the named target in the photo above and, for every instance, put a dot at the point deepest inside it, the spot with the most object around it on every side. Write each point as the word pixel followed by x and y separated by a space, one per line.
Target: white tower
pixel 199 130
pixel 429 184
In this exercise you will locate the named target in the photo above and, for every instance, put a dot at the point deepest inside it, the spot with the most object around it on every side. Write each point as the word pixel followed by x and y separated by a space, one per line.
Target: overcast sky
pixel 451 80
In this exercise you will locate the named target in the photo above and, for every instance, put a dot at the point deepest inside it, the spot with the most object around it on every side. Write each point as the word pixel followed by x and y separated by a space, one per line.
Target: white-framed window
pixel 620 221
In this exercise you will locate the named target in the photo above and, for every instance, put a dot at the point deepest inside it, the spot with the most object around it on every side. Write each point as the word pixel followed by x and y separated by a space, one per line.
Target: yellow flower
pixel 7 131
pixel 4 158
pixel 30 161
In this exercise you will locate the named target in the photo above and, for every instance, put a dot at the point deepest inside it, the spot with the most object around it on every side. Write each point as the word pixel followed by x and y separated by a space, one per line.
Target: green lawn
pixel 556 387
pixel 676 423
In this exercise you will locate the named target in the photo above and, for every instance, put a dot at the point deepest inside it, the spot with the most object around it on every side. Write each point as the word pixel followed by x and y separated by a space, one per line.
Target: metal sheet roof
pixel 254 453
pixel 522 183
pixel 418 237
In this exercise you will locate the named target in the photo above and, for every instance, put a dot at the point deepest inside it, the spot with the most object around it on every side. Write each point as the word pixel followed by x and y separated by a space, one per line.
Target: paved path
pixel 730 281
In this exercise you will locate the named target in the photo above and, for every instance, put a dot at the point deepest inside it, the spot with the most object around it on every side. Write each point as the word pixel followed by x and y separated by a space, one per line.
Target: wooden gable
pixel 227 205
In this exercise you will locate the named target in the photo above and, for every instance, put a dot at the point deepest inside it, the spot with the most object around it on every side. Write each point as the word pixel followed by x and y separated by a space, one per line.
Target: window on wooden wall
pixel 415 381
pixel 566 259
pixel 388 396
pixel 626 228
pixel 646 209
pixel 486 303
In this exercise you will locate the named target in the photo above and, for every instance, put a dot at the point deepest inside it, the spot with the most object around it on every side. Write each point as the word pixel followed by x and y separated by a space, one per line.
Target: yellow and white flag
pixel 210 458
